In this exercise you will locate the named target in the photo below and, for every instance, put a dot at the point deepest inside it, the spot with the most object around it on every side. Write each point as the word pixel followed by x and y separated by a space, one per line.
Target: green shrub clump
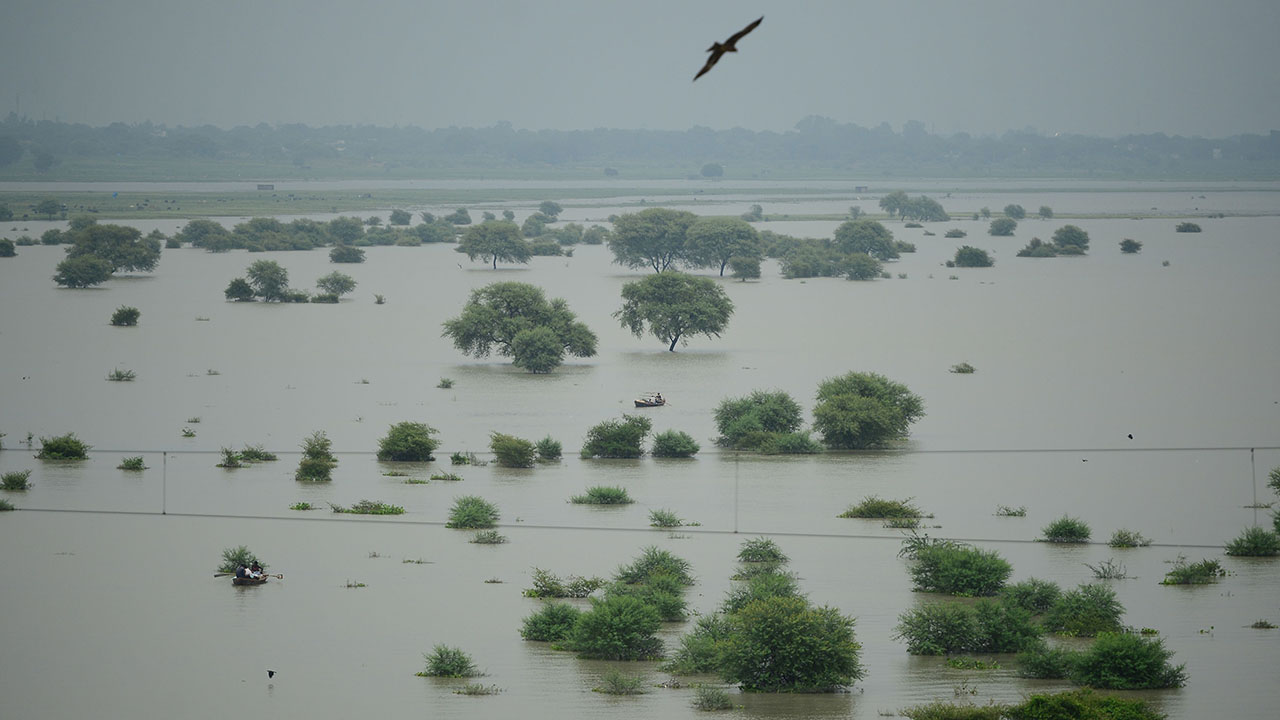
pixel 132 463
pixel 614 682
pixel 125 316
pixel 969 256
pixel 63 447
pixel 663 593
pixel 603 495
pixel 317 461
pixel 409 442
pixel 511 451
pixel 553 622
pixel 1255 542
pixel 663 518
pixel 617 438
pixel 488 537
pixel 1085 611
pixel 1081 704
pixel 1187 227
pixel 864 410
pixel 445 661
pixel 1033 595
pixel 698 653
pixel 711 699
pixel 1200 573
pixel 369 507
pixel 1066 530
pixel 1123 538
pixel 958 569
pixel 1124 661
pixel 472 512
pixel 757 420
pixel 985 627
pixel 781 644
pixel 654 561
pixel 877 508
pixel 16 480
pixel 760 550
pixel 547 585
pixel 238 557
pixel 674 444
pixel 619 627
pixel 549 449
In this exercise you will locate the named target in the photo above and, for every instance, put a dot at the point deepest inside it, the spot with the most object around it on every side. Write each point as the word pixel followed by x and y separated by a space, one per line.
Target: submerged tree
pixel 673 306
pixel 713 241
pixel 650 238
pixel 516 320
pixel 863 410
pixel 495 240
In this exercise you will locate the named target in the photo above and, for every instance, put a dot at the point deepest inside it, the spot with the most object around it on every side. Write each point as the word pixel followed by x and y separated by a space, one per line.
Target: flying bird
pixel 730 45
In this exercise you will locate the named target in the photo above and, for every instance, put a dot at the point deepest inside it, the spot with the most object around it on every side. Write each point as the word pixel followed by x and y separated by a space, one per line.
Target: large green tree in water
pixel 516 320
pixel 674 306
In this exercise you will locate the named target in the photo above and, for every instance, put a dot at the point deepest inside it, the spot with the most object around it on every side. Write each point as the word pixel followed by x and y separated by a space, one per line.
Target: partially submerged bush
pixel 547 585
pixel 1123 661
pixel 1187 227
pixel 958 569
pixel 445 661
pixel 760 550
pixel 1255 542
pixel 408 442
pixel 256 453
pixel 747 422
pixel 711 698
pixel 620 627
pixel 16 480
pixel 699 648
pixel 663 593
pixel 118 375
pixel 654 561
pixel 674 444
pixel 985 627
pixel 132 463
pixel 238 557
pixel 781 644
pixel 864 410
pixel 1009 511
pixel 488 537
pixel 511 451
pixel 63 447
pixel 1085 611
pixel 317 461
pixel 1047 662
pixel 603 495
pixel 369 507
pixel 472 512
pixel 760 586
pixel 553 622
pixel 549 449
pixel 613 682
pixel 125 316
pixel 1066 529
pixel 663 518
pixel 1201 573
pixel 1033 595
pixel 878 508
pixel 617 438
pixel 963 368
pixel 1123 538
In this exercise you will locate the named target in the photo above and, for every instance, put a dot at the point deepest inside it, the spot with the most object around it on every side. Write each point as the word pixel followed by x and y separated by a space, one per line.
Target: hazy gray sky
pixel 1100 67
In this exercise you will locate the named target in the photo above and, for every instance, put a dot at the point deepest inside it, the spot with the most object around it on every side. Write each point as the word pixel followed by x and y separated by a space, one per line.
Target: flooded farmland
pixel 1135 391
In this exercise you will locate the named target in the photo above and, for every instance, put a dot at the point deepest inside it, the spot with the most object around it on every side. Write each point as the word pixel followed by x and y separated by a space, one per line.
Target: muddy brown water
pixel 111 609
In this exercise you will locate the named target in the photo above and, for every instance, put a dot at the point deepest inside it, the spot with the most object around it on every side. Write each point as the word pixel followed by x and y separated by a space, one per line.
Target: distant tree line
pixel 35 147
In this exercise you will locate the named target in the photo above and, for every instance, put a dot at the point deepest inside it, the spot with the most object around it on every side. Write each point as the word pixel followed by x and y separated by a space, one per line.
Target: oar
pixel 220 575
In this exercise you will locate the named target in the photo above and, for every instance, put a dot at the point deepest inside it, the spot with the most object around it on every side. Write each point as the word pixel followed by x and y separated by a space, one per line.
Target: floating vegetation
pixel 603 495
pixel 445 383
pixel 16 480
pixel 663 518
pixel 446 476
pixel 467 458
pixel 963 368
pixel 1263 625
pixel 1009 511
pixel 395 473
pixel 188 432
pixel 63 447
pixel 488 537
pixel 193 420
pixel 1187 227
pixel 1201 573
pixel 230 459
pixel 302 506
pixel 418 561
pixel 902 523
pixel 445 661
pixel 118 375
pixel 369 507
pixel 1123 538
pixel 877 508
pixel 211 371
pixel 1066 529
pixel 477 689
pixel 132 463
pixel 355 584
pixel 415 481
pixel 614 682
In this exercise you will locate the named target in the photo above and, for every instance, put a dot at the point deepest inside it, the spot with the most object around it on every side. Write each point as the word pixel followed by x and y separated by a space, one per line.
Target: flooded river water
pixel 1136 391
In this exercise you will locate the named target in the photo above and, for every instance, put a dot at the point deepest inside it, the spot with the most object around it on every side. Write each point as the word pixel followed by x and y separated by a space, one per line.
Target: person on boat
pixel 242 572
pixel 255 571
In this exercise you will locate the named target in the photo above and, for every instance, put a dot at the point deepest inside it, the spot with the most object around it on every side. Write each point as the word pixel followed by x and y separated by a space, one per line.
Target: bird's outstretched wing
pixel 718 50
pixel 739 35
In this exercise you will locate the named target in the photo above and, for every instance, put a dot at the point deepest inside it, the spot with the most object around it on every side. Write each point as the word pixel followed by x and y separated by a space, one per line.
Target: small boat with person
pixel 653 399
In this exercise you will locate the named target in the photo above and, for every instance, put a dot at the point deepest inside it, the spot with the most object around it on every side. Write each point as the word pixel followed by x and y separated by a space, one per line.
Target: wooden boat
pixel 651 400
pixel 248 581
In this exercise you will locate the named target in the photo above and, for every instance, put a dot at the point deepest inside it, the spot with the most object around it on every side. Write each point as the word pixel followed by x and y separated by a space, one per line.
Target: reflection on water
pixel 122 618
